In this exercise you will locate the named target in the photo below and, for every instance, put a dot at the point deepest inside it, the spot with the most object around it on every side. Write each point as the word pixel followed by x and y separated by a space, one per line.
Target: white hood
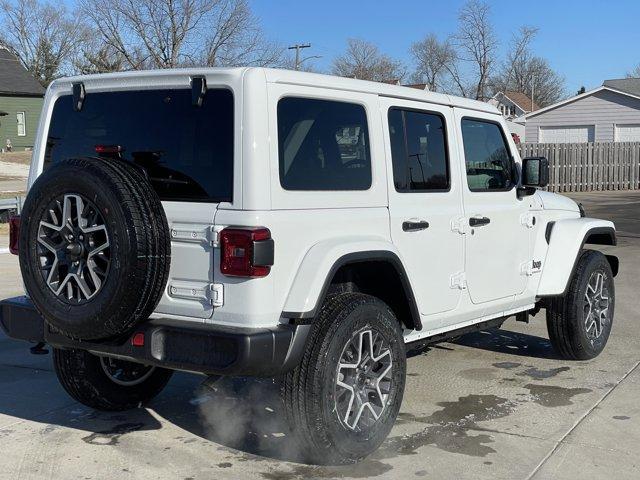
pixel 553 201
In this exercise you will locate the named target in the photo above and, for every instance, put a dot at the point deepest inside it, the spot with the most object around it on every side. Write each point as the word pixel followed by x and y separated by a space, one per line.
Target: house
pixel 21 99
pixel 513 104
pixel 609 113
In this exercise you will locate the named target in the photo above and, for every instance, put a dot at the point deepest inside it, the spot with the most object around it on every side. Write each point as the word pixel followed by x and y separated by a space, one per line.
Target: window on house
pixel 418 151
pixel 22 126
pixel 323 145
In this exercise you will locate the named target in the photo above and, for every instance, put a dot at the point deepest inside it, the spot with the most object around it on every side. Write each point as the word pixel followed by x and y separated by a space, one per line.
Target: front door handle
pixel 414 226
pixel 479 221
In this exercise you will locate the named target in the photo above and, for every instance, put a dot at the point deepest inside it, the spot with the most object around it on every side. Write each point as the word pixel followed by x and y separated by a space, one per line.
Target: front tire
pixel 580 321
pixel 107 384
pixel 343 398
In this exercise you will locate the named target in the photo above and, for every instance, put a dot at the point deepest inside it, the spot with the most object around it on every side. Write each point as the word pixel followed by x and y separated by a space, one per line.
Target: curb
pixel 4 250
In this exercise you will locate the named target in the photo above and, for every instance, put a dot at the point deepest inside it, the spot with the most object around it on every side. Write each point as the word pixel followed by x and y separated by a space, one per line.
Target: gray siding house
pixel 610 113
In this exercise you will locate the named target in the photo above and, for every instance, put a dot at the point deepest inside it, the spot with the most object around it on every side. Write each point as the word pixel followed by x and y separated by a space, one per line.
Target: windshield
pixel 186 150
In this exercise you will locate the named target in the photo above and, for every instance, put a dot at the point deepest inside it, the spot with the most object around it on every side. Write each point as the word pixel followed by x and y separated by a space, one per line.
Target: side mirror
pixel 535 172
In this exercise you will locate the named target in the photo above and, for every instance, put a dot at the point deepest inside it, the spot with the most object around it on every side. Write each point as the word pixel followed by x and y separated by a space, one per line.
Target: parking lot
pixel 495 404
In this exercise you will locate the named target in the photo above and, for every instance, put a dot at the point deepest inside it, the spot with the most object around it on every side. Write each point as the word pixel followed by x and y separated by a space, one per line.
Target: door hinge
pixel 217 294
pixel 458 280
pixel 192 233
pixel 459 224
pixel 215 235
pixel 528 220
pixel 212 293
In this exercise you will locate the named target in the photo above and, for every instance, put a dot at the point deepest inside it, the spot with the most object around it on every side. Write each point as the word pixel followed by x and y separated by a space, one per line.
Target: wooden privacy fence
pixel 583 167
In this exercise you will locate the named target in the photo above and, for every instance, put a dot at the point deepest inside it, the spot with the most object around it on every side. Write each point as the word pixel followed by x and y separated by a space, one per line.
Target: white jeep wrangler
pixel 274 223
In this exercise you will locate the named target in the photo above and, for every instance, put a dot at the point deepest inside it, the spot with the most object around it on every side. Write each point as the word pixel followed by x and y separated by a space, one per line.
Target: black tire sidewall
pixel 139 247
pixel 77 318
pixel 593 262
pixel 367 313
pixel 82 376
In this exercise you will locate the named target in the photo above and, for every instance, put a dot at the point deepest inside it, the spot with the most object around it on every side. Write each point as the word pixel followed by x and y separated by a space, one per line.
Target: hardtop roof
pixel 136 78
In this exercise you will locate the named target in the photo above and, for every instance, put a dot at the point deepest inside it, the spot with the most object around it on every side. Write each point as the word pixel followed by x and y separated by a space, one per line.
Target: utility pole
pixel 533 82
pixel 297 47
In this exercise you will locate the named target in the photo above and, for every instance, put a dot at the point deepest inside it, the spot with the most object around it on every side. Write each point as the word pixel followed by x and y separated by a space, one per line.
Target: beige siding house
pixel 21 98
pixel 610 113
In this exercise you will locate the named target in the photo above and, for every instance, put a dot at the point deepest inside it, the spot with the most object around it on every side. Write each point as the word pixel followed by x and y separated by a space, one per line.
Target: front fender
pixel 323 260
pixel 566 239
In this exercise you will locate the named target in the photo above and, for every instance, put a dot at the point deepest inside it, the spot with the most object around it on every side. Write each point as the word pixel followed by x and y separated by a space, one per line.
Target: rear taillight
pixel 108 149
pixel 246 252
pixel 14 233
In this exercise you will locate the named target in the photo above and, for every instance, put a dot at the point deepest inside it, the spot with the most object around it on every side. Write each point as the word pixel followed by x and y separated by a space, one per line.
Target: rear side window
pixel 323 145
pixel 418 150
pixel 487 157
pixel 186 151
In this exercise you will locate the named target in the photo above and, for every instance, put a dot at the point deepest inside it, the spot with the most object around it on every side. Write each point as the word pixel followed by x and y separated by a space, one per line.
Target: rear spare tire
pixel 94 247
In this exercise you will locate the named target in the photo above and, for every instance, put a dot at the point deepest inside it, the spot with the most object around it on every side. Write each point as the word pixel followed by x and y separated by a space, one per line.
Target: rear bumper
pixel 176 345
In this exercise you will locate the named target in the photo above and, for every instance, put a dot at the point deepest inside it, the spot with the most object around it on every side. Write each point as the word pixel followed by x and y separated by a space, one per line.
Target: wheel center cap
pixel 75 249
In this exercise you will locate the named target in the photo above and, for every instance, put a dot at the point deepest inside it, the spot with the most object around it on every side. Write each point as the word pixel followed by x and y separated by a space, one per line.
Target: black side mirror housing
pixel 535 172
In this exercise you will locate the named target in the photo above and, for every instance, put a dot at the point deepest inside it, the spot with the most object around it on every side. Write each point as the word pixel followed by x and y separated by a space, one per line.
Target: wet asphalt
pixel 493 404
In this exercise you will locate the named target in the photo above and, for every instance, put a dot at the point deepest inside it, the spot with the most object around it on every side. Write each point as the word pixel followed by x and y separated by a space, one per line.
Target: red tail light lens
pixel 108 149
pixel 246 252
pixel 14 233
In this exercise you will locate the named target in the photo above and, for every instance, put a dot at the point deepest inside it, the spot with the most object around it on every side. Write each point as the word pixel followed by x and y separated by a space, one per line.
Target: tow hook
pixel 38 349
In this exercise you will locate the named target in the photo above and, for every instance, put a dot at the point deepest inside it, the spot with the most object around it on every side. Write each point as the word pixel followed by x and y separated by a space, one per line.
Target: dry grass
pixel 16 157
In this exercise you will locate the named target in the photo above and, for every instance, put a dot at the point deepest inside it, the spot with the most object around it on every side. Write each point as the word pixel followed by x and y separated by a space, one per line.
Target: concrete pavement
pixel 495 404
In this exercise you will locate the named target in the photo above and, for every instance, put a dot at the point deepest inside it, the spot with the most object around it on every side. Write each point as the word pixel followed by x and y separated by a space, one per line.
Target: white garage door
pixel 628 133
pixel 572 134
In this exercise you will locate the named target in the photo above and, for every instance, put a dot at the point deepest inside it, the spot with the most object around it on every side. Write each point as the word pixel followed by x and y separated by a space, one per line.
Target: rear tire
pixel 332 410
pixel 580 321
pixel 106 384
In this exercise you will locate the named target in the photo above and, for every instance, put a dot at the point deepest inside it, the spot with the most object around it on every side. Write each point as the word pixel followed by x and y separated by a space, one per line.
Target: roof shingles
pixel 15 79
pixel 522 100
pixel 627 85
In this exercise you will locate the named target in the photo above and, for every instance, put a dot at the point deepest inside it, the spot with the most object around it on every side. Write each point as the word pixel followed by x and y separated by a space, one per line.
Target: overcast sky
pixel 587 41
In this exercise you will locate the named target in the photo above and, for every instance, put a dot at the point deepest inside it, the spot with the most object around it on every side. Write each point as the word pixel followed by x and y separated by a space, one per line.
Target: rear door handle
pixel 479 221
pixel 410 226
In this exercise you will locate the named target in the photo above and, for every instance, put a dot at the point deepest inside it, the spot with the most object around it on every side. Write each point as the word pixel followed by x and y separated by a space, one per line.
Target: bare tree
pixel 519 55
pixel 96 58
pixel 138 34
pixel 635 73
pixel 526 73
pixel 238 38
pixel 433 58
pixel 43 37
pixel 476 45
pixel 363 60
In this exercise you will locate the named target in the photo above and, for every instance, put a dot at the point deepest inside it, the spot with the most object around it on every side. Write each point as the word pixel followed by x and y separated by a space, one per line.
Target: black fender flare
pixel 362 257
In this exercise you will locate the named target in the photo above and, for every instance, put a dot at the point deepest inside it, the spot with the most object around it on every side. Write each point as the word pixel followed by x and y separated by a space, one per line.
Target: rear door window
pixel 323 145
pixel 418 150
pixel 186 150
